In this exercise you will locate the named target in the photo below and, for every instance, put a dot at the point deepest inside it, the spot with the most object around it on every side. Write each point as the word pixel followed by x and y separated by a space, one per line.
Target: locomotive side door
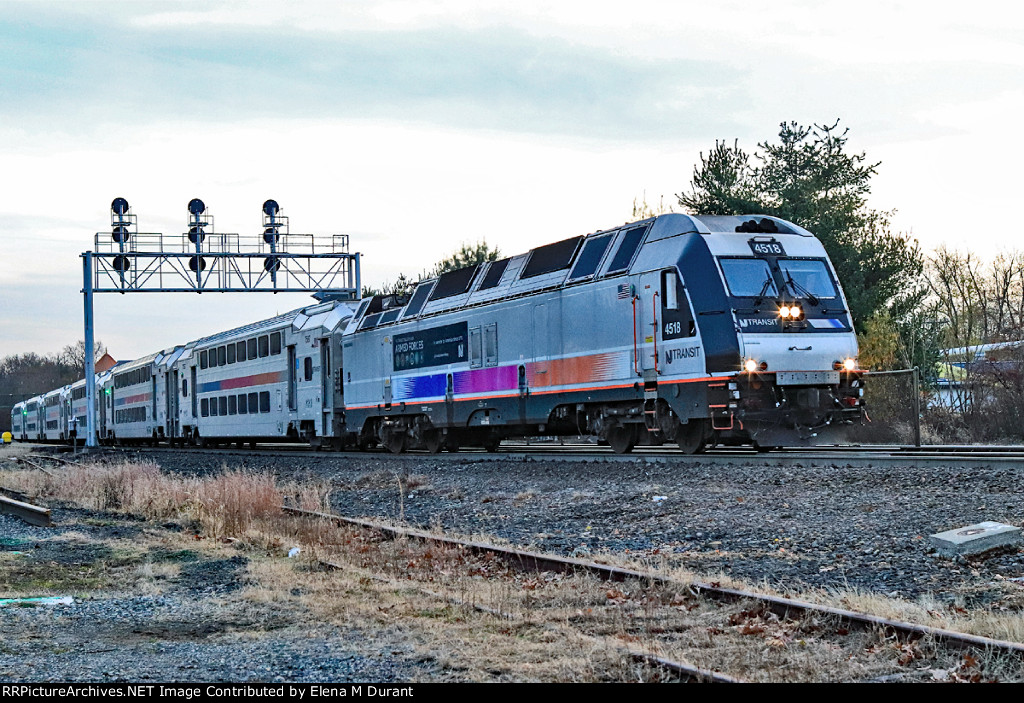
pixel 647 302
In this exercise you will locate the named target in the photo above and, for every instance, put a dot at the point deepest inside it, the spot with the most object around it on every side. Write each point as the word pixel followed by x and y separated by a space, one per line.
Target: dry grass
pixel 477 617
pixel 230 503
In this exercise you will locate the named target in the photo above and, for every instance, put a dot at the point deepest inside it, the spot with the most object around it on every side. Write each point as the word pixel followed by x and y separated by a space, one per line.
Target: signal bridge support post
pixel 90 361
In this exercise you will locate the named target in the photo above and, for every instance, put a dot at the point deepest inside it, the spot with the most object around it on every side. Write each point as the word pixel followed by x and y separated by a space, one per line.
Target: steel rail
pixel 32 514
pixel 537 561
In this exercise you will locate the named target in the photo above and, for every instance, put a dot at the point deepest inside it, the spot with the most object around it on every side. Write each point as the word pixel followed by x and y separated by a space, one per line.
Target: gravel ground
pixel 188 632
pixel 826 526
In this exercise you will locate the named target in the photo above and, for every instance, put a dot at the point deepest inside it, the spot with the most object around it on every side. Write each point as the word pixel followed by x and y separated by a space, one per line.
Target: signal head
pixel 196 206
pixel 271 208
pixel 119 206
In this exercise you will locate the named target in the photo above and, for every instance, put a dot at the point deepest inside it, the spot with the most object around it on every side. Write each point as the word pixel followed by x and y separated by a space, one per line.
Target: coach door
pixel 326 392
pixel 171 389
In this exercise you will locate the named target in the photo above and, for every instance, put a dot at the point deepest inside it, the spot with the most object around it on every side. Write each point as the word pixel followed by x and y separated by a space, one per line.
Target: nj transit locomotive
pixel 693 330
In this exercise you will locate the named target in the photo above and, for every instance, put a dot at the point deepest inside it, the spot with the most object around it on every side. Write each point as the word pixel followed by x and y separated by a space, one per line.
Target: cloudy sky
pixel 417 126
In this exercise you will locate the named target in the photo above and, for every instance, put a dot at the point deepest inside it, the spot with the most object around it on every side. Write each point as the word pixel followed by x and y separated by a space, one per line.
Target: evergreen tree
pixel 809 178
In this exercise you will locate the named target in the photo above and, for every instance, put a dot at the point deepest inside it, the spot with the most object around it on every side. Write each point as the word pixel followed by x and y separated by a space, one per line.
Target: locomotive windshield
pixel 807 277
pixel 749 278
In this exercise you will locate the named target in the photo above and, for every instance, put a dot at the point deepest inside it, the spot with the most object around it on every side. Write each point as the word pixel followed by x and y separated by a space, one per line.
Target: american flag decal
pixel 624 290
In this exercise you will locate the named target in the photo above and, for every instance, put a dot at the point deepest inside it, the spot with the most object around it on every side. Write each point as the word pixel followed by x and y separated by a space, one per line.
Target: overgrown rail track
pixel 782 607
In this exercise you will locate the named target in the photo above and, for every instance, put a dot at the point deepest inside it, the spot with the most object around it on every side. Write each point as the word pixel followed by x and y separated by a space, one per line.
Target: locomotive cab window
pixel 676 316
pixel 807 276
pixel 749 278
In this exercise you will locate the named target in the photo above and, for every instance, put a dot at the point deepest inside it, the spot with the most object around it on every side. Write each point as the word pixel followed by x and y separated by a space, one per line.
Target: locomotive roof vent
pixel 764 226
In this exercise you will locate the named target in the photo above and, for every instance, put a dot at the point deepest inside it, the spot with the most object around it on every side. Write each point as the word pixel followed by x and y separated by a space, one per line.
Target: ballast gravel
pixel 822 525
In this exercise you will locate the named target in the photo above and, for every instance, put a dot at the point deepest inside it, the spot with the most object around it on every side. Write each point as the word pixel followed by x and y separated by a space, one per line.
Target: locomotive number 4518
pixel 766 248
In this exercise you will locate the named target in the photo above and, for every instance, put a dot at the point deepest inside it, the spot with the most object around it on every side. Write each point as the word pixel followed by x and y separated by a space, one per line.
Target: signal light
pixel 121 263
pixel 196 234
pixel 270 235
pixel 119 206
pixel 196 206
pixel 120 234
pixel 271 208
pixel 271 264
pixel 197 263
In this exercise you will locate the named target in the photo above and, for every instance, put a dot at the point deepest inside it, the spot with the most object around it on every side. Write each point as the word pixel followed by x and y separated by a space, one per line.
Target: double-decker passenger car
pixel 130 396
pixel 268 381
pixel 54 411
pixel 18 414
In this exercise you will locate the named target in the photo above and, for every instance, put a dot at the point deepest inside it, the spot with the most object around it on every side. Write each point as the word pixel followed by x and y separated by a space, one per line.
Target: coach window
pixel 223 405
pixel 264 346
pixel 232 405
pixel 203 360
pixel 243 407
pixel 240 351
pixel 231 353
pixel 307 368
pixel 265 401
pixel 212 406
pixel 222 356
pixel 254 403
pixel 250 348
pixel 275 343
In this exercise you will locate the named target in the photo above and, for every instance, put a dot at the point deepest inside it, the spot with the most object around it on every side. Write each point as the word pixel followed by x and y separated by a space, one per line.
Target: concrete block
pixel 975 539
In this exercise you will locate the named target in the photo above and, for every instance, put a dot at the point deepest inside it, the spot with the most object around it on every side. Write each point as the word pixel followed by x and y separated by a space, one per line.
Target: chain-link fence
pixel 889 399
pixel 983 405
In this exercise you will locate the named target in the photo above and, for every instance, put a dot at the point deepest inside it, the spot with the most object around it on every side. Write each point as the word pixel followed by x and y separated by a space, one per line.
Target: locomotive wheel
pixel 394 442
pixel 433 440
pixel 692 437
pixel 622 439
pixel 491 444
pixel 452 444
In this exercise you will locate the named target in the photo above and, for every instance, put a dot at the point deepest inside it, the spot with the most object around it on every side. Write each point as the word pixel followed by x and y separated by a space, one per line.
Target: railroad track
pixel 531 561
pixel 855 456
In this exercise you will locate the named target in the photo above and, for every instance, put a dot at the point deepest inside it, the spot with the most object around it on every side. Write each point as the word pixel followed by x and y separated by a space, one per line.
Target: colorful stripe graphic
pixel 496 378
pixel 431 386
pixel 594 368
pixel 577 369
pixel 129 399
pixel 227 384
pixel 827 324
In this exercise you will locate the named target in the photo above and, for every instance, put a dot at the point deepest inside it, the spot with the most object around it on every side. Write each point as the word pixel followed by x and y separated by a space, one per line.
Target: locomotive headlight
pixel 795 312
pixel 850 364
pixel 750 365
pixel 784 312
